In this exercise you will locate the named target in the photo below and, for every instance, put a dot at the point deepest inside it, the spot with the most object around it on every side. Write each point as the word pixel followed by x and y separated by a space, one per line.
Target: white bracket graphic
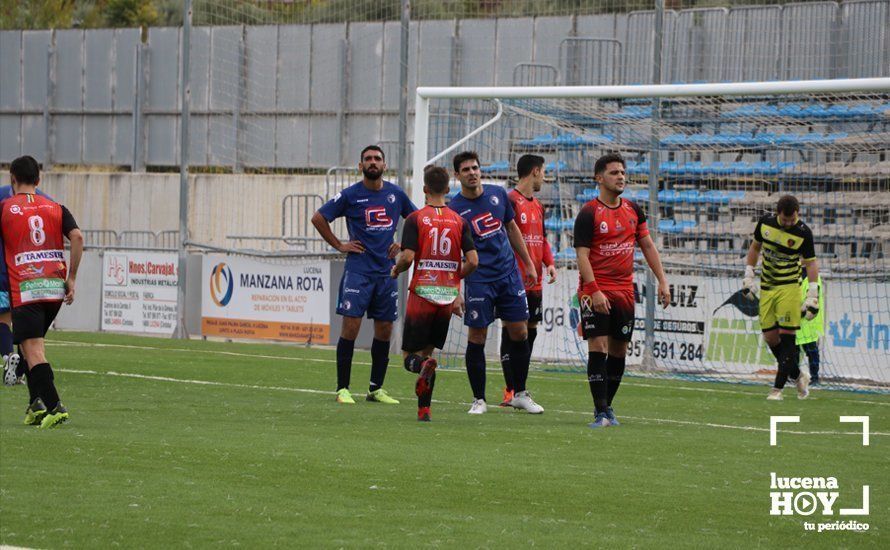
pixel 858 511
pixel 864 421
pixel 775 421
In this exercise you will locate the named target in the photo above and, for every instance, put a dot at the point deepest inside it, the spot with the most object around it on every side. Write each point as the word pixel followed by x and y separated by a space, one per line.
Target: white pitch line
pixel 330 393
pixel 63 343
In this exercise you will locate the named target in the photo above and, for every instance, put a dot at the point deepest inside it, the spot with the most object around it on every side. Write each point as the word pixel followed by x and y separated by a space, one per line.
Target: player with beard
pixel 606 231
pixel 530 220
pixel 371 208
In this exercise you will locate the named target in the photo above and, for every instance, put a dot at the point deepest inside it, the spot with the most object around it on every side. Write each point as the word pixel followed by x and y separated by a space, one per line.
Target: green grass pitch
pixel 175 444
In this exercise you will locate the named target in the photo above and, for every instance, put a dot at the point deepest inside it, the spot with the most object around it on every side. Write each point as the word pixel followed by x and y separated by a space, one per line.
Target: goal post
pixel 705 161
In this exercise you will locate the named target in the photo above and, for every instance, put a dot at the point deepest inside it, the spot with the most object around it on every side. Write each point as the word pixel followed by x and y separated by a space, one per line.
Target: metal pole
pixel 403 98
pixel 50 102
pixel 181 332
pixel 650 288
pixel 139 81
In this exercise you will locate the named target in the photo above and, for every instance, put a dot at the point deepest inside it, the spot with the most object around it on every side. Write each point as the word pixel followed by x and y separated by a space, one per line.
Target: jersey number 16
pixel 440 246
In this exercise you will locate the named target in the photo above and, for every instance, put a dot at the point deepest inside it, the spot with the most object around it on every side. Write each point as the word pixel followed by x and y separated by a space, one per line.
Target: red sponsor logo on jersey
pixel 376 216
pixel 485 224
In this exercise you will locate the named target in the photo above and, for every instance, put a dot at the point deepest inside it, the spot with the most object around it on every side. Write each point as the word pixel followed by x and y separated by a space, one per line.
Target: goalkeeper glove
pixel 749 284
pixel 811 305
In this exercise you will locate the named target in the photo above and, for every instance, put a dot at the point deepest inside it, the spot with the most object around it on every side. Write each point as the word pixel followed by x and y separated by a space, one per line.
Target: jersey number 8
pixel 38 235
pixel 441 246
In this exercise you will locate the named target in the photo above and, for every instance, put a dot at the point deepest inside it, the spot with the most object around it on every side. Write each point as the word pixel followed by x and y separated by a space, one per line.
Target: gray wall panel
pixel 324 142
pixel 258 141
pixel 808 33
pixel 11 69
pixel 366 66
pixel 515 43
pixel 865 37
pixel 69 65
pixel 123 140
pixel 10 134
pixel 221 141
pixel 435 56
pixel 392 63
pixel 294 80
pixel 162 148
pixel 97 68
pixel 36 44
pixel 198 136
pixel 477 52
pixel 597 26
pixel 98 141
pixel 163 81
pixel 68 139
pixel 262 60
pixel 199 68
pixel 327 67
pixel 34 137
pixel 699 36
pixel 292 141
pixel 363 130
pixel 225 66
pixel 125 43
pixel 752 39
pixel 638 44
pixel 549 32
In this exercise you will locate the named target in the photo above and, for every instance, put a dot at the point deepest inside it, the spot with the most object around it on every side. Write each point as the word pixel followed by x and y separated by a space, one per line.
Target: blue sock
pixel 345 349
pixel 379 363
pixel 5 339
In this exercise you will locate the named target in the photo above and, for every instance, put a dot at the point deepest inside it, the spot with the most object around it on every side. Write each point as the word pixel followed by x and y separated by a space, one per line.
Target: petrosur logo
pixel 222 284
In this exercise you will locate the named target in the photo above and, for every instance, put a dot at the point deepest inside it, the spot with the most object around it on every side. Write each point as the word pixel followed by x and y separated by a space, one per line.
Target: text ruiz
pixel 807 495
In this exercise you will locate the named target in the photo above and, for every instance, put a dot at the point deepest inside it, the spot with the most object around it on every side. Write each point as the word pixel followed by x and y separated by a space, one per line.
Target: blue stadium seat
pixel 496 167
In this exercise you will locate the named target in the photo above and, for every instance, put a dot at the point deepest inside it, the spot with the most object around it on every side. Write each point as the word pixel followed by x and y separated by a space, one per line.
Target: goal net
pixel 705 162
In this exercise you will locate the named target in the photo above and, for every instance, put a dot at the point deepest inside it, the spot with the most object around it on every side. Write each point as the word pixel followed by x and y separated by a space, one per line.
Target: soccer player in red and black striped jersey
pixel 434 238
pixel 606 232
pixel 33 228
pixel 529 216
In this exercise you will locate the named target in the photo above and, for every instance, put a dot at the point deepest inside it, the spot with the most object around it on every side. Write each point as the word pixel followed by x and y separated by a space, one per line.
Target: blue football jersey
pixel 371 218
pixel 487 216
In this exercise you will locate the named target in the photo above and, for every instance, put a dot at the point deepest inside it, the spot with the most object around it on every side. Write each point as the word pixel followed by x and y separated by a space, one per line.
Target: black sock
pixel 22 369
pixel 344 362
pixel 425 400
pixel 506 363
pixel 532 334
pixel 781 375
pixel 614 371
pixel 790 355
pixel 43 380
pixel 812 352
pixel 597 378
pixel 32 387
pixel 412 363
pixel 379 362
pixel 5 339
pixel 476 369
pixel 519 359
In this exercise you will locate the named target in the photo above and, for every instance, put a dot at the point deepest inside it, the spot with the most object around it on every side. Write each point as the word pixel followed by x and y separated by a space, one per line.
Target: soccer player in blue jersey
pixel 496 288
pixel 13 367
pixel 372 208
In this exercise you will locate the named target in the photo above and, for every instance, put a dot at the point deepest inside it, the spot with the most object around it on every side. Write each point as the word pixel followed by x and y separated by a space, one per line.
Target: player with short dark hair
pixel 33 228
pixel 606 232
pixel 14 368
pixel 434 238
pixel 529 216
pixel 372 208
pixel 495 288
pixel 784 240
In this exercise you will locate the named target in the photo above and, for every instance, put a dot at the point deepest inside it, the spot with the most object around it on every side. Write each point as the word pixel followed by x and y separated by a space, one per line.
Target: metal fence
pixel 309 96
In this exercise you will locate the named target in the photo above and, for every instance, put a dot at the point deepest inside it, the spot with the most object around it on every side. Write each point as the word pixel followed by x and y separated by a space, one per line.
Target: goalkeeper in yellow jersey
pixel 811 330
pixel 786 243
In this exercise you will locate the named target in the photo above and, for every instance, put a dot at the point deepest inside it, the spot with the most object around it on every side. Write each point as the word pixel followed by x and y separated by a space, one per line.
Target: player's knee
pixel 383 330
pixel 518 333
pixel 477 335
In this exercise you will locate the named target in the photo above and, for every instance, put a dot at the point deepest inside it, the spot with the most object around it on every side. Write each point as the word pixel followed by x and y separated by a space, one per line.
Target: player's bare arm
pixel 470 263
pixel 650 253
pixel 324 229
pixel 599 301
pixel 75 237
pixel 518 244
pixel 811 303
pixel 403 262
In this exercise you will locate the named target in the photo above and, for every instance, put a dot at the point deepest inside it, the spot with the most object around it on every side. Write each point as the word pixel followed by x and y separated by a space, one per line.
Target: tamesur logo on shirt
pixel 437 265
pixel 39 256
